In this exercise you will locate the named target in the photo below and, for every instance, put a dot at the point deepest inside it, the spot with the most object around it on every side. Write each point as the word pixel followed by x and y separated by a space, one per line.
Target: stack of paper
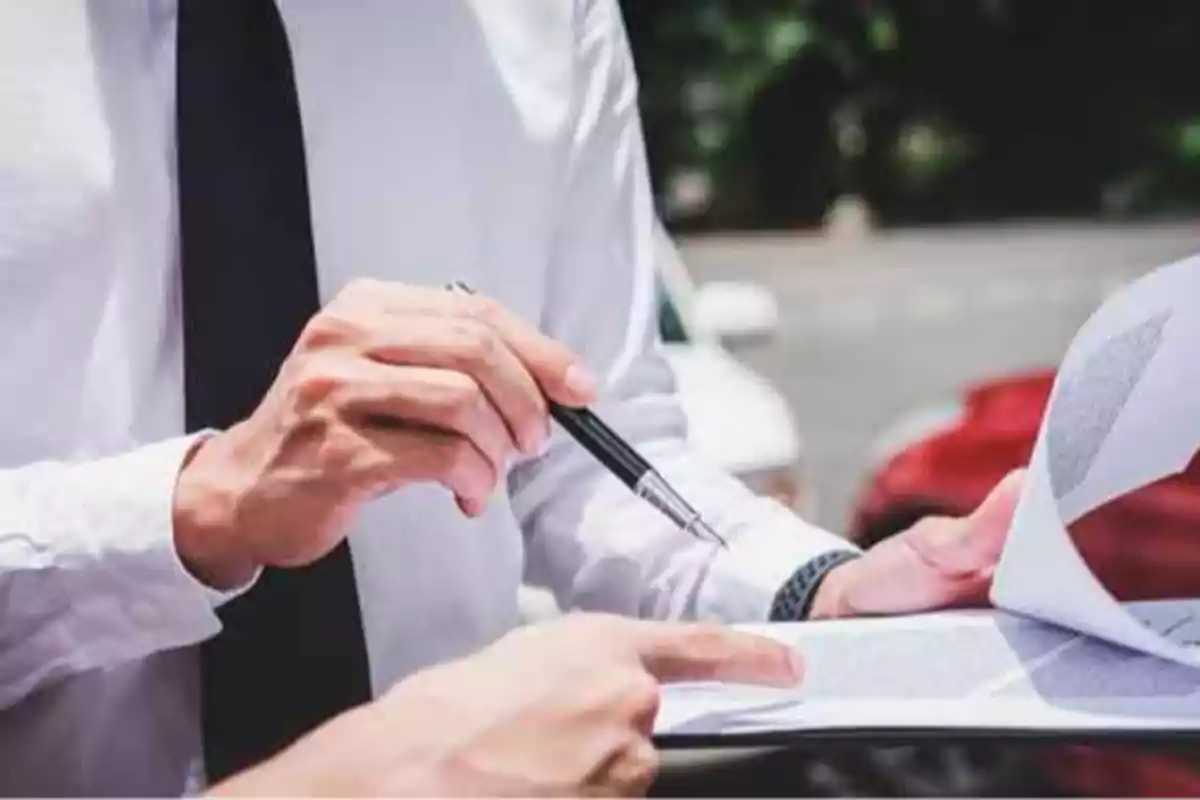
pixel 1059 653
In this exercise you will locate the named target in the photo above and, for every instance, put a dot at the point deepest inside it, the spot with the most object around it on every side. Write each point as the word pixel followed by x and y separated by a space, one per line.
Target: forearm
pixel 600 547
pixel 589 539
pixel 89 572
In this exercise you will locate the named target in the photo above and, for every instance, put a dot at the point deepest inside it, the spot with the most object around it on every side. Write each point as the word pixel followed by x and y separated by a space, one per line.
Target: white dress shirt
pixel 496 141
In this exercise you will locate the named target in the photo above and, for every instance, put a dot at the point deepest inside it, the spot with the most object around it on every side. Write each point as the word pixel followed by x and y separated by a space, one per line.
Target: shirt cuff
pixel 217 597
pixel 744 580
pixel 129 588
pixel 176 455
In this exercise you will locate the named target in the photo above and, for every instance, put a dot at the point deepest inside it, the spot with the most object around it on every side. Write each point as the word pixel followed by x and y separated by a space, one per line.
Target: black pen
pixel 619 458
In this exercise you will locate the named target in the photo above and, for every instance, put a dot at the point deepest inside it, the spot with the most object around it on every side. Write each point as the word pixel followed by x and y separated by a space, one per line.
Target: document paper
pixel 1059 653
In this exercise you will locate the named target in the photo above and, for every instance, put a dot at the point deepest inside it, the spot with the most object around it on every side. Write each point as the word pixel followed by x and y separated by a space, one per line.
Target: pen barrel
pixel 602 442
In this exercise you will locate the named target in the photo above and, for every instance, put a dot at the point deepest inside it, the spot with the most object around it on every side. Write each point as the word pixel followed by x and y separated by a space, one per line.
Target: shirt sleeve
pixel 590 541
pixel 89 575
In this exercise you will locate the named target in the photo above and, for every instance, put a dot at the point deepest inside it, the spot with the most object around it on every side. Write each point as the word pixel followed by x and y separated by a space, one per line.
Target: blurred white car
pixel 736 418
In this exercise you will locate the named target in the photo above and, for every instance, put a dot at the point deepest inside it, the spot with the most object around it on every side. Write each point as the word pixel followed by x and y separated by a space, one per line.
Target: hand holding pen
pixel 624 462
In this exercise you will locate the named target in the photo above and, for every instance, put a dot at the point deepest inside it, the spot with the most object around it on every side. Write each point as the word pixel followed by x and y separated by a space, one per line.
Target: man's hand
pixel 563 709
pixel 388 385
pixel 940 562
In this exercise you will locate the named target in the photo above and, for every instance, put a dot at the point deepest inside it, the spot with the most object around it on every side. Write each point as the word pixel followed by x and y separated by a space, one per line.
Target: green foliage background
pixel 930 110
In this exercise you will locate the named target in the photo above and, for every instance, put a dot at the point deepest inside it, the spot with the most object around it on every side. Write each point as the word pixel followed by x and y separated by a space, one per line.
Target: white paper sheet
pixel 1124 413
pixel 966 670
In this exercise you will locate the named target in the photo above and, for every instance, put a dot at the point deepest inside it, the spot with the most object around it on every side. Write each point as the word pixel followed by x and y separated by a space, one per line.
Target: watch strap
pixel 793 602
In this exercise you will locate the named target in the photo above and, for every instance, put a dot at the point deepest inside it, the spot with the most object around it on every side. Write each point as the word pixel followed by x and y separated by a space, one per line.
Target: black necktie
pixel 292 652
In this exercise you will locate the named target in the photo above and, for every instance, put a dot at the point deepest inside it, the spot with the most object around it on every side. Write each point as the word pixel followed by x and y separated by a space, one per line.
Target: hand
pixel 565 709
pixel 389 385
pixel 940 562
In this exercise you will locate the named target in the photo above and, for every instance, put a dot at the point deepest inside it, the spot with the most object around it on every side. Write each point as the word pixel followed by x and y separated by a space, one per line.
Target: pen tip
pixel 704 529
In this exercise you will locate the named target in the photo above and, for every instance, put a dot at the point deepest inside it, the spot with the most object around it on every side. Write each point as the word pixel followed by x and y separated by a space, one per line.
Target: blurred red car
pixel 945 458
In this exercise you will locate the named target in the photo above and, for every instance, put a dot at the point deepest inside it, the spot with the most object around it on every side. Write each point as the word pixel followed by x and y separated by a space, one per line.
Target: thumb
pixel 971 544
pixel 989 524
pixel 1001 503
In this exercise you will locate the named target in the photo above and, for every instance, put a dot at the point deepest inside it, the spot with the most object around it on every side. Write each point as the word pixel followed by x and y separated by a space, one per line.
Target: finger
pixel 425 397
pixel 993 519
pixel 414 455
pixel 476 349
pixel 631 771
pixel 469 507
pixel 560 373
pixel 957 591
pixel 700 652
pixel 971 544
pixel 936 565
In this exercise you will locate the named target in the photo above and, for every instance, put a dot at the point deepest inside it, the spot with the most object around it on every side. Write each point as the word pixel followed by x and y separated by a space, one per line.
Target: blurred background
pixel 881 204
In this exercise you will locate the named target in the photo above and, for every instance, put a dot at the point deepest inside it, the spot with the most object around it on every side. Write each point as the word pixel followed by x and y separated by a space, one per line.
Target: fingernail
pixel 580 382
pixel 796 666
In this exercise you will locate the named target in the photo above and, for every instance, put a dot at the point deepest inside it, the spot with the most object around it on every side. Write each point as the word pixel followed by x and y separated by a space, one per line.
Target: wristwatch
pixel 793 602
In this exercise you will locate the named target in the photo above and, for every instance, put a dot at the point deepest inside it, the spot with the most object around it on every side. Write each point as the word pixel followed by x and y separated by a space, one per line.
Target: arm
pixel 590 540
pixel 561 709
pixel 89 574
